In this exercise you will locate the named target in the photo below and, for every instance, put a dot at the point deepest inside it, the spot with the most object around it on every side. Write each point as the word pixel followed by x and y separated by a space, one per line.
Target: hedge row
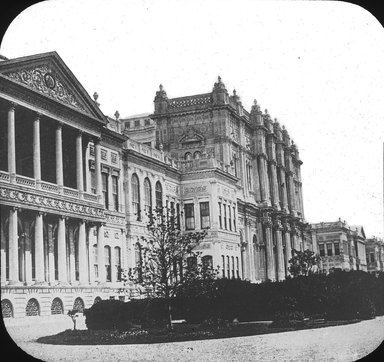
pixel 338 296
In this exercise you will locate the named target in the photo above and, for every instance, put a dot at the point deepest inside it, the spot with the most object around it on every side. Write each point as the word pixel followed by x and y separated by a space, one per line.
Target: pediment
pixel 48 75
pixel 191 135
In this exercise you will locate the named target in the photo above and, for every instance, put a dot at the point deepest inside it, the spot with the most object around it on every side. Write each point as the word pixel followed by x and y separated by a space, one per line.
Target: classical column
pixel 13 247
pixel 51 256
pixel 292 203
pixel 275 188
pixel 82 253
pixel 59 156
pixel 294 237
pixel 100 253
pixel 91 269
pixel 72 259
pixel 39 249
pixel 79 162
pixel 279 250
pixel 283 186
pixel 3 263
pixel 121 186
pixel 98 168
pixel 36 148
pixel 271 272
pixel 11 141
pixel 62 251
pixel 251 258
pixel 28 255
pixel 265 196
pixel 287 242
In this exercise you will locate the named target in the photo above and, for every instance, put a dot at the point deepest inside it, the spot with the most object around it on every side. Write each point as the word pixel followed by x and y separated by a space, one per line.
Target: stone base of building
pixel 29 301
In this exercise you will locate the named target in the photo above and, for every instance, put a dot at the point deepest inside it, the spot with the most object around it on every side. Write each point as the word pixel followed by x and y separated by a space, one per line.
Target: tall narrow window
pixel 178 216
pixel 249 175
pixel 104 179
pixel 139 262
pixel 229 218
pixel 204 215
pixel 234 218
pixel 223 265
pixel 135 196
pixel 159 195
pixel 337 248
pixel 233 267
pixel 228 268
pixel 189 216
pixel 115 192
pixel 107 262
pixel 118 263
pixel 220 217
pixel 237 268
pixel 93 181
pixel 172 213
pixel 95 261
pixel 225 216
pixel 147 197
pixel 329 249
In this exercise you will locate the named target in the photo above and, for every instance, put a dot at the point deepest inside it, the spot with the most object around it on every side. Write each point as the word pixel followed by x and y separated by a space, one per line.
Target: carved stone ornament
pixel 44 79
pixel 26 198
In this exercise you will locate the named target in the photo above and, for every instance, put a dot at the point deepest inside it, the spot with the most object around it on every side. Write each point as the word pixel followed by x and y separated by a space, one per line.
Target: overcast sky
pixel 316 66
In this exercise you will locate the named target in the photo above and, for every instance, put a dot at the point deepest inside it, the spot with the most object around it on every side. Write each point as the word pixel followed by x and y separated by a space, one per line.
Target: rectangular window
pixel 337 248
pixel 225 216
pixel 115 193
pixel 229 218
pixel 372 255
pixel 189 216
pixel 237 268
pixel 147 122
pixel 234 218
pixel 204 215
pixel 137 123
pixel 223 265
pixel 228 268
pixel 233 267
pixel 329 249
pixel 93 181
pixel 104 179
pixel 321 249
pixel 220 217
pixel 172 214
pixel 178 216
pixel 127 125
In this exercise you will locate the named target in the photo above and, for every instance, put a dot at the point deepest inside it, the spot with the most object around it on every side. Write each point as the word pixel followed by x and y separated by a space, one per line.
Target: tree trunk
pixel 170 325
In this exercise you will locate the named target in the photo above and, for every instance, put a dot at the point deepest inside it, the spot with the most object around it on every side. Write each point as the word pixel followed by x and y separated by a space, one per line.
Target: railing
pixel 90 197
pixel 25 181
pixel 70 192
pixel 47 186
pixel 189 101
pixel 200 164
pixel 4 176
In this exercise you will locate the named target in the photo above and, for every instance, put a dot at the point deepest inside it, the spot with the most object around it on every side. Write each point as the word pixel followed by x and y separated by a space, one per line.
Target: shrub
pixel 288 319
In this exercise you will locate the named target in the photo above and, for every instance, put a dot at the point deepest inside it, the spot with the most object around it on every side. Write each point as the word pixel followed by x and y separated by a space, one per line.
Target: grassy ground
pixel 183 332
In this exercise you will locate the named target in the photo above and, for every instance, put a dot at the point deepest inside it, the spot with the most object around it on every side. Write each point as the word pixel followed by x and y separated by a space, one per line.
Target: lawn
pixel 180 332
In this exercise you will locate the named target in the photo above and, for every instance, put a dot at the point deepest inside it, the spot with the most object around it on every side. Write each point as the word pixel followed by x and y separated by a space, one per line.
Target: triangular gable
pixel 191 135
pixel 47 74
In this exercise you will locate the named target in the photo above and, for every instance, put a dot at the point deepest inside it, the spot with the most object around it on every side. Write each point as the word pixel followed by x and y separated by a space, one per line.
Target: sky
pixel 317 66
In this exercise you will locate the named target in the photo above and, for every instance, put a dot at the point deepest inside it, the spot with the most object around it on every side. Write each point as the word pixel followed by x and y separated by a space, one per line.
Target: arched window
pixel 188 156
pixel 32 308
pixel 6 308
pixel 147 197
pixel 159 195
pixel 97 300
pixel 107 262
pixel 197 155
pixel 57 306
pixel 78 305
pixel 135 196
pixel 118 263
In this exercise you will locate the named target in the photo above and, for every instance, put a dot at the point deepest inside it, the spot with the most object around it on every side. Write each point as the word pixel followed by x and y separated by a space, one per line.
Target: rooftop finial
pixel 117 115
pixel 161 87
pixel 95 96
pixel 219 79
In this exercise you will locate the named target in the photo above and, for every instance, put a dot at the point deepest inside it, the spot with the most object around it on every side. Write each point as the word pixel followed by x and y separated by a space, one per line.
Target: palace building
pixel 75 186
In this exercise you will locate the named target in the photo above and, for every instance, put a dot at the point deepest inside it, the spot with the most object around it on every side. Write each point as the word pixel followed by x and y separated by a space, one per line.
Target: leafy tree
pixel 167 254
pixel 304 263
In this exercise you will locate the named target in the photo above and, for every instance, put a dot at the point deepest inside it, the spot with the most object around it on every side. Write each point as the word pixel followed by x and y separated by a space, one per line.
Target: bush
pixel 288 319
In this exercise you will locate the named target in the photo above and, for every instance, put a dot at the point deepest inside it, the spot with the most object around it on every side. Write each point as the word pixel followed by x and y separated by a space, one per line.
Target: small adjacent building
pixel 374 249
pixel 341 245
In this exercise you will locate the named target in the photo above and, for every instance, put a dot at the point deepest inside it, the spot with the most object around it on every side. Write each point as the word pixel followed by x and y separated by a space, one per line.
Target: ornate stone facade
pixel 75 187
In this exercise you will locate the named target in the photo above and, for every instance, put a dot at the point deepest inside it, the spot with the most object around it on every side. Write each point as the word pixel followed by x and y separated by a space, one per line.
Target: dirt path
pixel 341 343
